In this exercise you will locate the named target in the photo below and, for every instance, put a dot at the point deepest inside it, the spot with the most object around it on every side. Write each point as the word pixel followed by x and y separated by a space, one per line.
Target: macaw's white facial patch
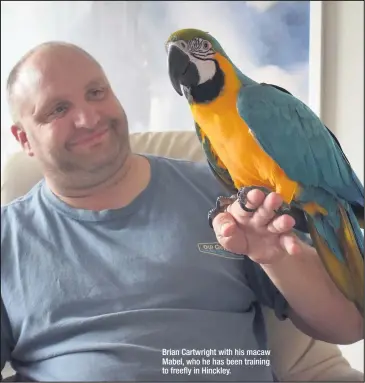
pixel 200 53
pixel 206 69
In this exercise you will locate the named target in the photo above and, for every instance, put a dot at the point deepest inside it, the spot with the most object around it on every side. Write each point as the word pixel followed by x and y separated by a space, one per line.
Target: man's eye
pixel 96 94
pixel 59 109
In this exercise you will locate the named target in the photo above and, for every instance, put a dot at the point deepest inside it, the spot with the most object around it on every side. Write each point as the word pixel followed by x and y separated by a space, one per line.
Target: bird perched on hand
pixel 259 136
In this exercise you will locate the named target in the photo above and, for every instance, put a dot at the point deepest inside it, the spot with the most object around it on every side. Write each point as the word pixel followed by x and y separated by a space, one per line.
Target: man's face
pixel 73 123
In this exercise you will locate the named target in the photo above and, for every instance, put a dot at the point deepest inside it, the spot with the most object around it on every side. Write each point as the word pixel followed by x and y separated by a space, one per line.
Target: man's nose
pixel 86 117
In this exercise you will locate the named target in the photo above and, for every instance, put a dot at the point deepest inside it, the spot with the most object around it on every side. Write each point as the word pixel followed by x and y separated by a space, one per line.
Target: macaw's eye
pixel 206 45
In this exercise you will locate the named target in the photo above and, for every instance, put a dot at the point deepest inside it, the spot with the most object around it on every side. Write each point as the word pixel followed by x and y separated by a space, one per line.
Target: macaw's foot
pixel 242 199
pixel 223 202
pixel 220 206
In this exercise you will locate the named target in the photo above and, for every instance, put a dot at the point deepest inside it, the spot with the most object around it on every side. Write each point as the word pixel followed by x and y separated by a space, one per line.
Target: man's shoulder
pixel 22 206
pixel 179 162
pixel 197 171
pixel 189 176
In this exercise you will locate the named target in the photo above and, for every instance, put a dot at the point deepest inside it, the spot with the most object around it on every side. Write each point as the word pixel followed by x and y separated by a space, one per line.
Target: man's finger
pixel 266 212
pixel 255 198
pixel 281 225
pixel 291 244
pixel 228 233
pixel 223 224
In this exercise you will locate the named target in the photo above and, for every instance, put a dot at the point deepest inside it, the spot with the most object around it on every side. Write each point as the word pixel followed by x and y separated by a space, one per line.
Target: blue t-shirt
pixel 143 292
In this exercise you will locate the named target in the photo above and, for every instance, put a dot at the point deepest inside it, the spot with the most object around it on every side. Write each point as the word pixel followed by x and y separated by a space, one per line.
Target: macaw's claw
pixel 242 198
pixel 220 206
pixel 223 202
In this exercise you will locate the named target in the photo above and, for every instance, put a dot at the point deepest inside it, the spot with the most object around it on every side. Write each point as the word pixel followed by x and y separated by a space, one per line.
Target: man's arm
pixel 292 267
pixel 317 307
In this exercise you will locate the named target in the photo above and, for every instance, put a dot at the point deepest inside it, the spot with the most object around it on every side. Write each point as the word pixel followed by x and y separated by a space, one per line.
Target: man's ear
pixel 21 136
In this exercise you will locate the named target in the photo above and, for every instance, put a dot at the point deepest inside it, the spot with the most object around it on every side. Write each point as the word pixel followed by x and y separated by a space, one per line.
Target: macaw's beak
pixel 181 70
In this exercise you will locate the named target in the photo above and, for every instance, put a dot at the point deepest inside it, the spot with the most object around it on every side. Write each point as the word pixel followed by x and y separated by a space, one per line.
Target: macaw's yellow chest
pixel 237 148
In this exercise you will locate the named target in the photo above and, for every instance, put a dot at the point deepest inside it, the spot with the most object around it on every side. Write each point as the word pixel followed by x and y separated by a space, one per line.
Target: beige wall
pixel 343 77
pixel 343 95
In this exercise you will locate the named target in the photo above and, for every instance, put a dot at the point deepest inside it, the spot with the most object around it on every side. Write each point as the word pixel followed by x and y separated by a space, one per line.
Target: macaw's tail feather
pixel 348 273
pixel 359 213
pixel 361 222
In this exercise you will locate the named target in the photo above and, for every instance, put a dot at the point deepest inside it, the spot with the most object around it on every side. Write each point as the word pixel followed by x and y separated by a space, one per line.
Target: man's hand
pixel 317 307
pixel 262 236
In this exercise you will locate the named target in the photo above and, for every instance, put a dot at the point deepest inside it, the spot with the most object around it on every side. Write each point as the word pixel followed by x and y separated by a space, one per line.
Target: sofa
pixel 296 357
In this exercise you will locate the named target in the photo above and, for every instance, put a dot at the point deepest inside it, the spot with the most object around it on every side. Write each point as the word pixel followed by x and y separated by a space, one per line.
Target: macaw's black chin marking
pixel 208 91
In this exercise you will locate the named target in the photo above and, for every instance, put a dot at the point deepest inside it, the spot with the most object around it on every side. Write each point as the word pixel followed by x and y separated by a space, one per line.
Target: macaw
pixel 259 136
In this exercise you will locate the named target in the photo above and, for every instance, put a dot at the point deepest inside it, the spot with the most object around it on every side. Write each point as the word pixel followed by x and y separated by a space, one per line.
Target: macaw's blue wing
pixel 298 141
pixel 216 165
pixel 357 207
pixel 295 138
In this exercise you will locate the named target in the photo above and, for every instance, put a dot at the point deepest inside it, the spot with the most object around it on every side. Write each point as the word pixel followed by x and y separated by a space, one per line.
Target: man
pixel 102 278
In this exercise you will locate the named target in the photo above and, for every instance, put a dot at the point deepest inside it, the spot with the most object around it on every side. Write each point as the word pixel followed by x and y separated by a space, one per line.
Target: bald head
pixel 36 56
pixel 66 114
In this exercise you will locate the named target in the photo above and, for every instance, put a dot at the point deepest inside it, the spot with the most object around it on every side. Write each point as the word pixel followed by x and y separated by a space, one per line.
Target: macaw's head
pixel 196 62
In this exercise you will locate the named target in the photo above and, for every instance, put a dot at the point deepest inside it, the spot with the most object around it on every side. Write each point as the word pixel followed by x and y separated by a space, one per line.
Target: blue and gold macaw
pixel 260 136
